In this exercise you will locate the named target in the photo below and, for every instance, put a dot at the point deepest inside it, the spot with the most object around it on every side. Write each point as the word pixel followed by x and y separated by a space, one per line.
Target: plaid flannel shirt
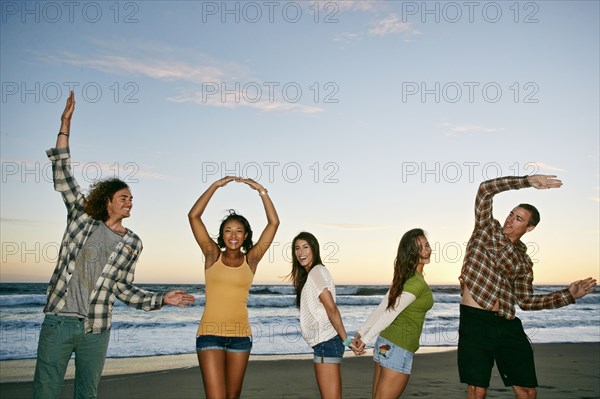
pixel 496 269
pixel 116 279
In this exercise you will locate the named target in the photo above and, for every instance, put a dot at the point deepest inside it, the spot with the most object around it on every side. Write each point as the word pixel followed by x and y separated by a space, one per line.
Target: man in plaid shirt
pixel 96 265
pixel 497 273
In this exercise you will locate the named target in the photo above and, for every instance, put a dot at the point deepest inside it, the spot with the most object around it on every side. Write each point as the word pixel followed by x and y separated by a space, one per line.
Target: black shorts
pixel 485 336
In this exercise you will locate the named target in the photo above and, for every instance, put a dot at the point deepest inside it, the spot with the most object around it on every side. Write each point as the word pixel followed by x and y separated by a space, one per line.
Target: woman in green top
pixel 399 318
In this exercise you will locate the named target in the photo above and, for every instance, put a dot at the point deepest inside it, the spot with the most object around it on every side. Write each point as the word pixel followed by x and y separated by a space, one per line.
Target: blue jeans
pixel 59 338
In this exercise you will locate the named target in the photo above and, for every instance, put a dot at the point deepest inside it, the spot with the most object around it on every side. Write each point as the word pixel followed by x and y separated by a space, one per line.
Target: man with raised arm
pixel 497 274
pixel 96 265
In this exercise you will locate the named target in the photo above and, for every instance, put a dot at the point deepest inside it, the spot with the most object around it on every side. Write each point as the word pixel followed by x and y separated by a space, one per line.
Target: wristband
pixel 63 133
pixel 348 341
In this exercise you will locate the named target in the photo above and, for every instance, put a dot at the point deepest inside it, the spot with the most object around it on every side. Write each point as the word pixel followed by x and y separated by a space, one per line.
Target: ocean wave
pixel 22 300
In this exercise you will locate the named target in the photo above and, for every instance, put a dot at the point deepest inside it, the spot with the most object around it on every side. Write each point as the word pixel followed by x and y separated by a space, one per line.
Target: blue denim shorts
pixel 226 344
pixel 330 351
pixel 392 356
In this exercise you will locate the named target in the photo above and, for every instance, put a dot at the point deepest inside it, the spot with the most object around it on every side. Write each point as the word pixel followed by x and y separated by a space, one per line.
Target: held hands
pixel 178 298
pixel 544 181
pixel 581 288
pixel 357 345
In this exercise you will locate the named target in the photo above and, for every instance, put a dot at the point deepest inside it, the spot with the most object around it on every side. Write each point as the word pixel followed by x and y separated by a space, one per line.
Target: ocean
pixel 274 320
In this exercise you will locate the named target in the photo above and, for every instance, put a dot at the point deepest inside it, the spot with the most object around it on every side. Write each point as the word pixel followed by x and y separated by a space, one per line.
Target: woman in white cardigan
pixel 320 320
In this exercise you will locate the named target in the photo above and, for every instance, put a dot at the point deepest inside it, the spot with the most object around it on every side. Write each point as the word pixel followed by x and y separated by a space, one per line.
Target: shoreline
pixel 21 370
pixel 564 371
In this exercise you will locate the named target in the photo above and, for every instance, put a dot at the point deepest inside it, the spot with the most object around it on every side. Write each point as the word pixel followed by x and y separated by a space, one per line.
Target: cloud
pixel 468 129
pixel 201 81
pixel 543 166
pixel 389 25
pixel 358 5
pixel 392 25
pixel 238 97
pixel 348 37
pixel 158 69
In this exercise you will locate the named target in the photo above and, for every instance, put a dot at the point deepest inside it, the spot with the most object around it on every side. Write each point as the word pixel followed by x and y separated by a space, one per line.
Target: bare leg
pixel 235 365
pixel 212 366
pixel 376 369
pixel 390 383
pixel 329 380
pixel 474 392
pixel 524 392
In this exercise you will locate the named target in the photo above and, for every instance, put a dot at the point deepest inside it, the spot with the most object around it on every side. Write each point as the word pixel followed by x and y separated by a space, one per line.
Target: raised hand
pixel 62 140
pixel 581 288
pixel 544 181
pixel 69 108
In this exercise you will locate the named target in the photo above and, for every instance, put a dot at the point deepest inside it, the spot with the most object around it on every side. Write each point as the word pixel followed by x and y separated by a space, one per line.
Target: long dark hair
pixel 405 264
pixel 100 193
pixel 247 244
pixel 298 275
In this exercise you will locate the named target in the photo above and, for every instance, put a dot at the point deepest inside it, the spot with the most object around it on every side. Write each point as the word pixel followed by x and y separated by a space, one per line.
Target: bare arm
pixel 207 245
pixel 62 140
pixel 266 238
pixel 333 313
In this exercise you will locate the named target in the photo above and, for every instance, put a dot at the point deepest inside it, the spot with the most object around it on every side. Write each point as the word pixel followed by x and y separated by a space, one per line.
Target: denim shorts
pixel 330 351
pixel 392 356
pixel 226 344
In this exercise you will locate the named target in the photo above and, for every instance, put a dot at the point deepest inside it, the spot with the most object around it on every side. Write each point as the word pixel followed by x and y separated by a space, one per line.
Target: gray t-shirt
pixel 88 267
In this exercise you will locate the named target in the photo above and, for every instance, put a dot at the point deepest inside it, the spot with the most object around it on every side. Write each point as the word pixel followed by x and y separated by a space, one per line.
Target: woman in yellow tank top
pixel 223 339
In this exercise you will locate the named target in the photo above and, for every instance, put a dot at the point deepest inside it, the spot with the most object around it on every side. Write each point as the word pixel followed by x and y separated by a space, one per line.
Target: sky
pixel 363 119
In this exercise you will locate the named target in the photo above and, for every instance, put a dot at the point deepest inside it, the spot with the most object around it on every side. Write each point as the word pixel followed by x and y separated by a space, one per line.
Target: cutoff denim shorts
pixel 226 344
pixel 330 351
pixel 392 356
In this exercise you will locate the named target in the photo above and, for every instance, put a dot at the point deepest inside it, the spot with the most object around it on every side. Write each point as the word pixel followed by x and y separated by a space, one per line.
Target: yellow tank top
pixel 226 312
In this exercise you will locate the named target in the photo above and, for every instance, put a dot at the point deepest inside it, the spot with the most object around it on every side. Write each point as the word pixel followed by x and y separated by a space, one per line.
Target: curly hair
pixel 100 193
pixel 405 264
pixel 247 244
pixel 298 275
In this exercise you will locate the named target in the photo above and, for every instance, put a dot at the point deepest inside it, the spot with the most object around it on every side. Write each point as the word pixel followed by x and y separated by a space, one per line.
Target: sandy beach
pixel 565 371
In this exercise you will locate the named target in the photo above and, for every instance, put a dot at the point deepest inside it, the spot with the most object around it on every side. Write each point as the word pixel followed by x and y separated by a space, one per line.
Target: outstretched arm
pixel 266 238
pixel 207 245
pixel 529 301
pixel 62 140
